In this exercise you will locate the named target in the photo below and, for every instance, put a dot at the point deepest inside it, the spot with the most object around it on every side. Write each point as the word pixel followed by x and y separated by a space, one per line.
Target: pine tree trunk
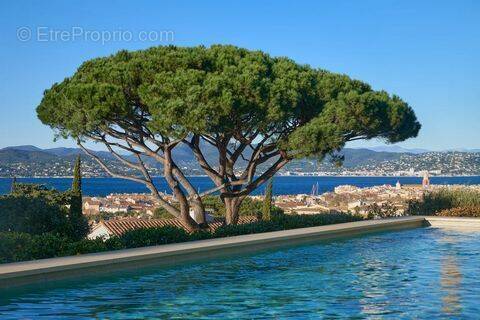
pixel 232 209
pixel 198 211
pixel 178 193
pixel 185 217
pixel 187 220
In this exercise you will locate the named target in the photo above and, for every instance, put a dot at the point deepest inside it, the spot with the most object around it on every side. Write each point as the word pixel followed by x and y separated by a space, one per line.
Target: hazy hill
pixel 23 148
pixel 21 155
pixel 354 157
pixel 33 161
pixel 397 149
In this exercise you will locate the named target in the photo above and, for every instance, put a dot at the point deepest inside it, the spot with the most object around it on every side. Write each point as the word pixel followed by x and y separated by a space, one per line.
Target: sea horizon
pixel 281 175
pixel 283 185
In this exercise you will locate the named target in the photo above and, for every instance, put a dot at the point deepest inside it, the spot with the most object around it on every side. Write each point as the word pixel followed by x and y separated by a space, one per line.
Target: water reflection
pixel 450 280
pixel 373 279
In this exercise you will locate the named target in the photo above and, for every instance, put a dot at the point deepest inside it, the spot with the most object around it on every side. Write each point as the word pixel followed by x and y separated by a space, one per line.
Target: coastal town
pixel 29 161
pixel 389 200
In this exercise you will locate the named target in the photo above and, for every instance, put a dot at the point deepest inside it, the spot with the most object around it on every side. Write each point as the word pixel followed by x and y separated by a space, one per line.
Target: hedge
pixel 16 246
pixel 285 222
pixel 472 212
pixel 443 199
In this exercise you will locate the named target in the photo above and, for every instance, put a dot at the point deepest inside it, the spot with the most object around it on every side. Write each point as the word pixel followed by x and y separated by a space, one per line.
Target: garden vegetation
pixel 20 246
pixel 457 202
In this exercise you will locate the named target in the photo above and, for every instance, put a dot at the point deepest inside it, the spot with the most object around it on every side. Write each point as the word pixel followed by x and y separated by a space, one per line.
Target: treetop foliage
pixel 176 91
pixel 247 104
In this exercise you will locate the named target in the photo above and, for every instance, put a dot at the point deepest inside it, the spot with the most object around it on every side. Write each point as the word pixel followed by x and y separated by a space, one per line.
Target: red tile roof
pixel 120 226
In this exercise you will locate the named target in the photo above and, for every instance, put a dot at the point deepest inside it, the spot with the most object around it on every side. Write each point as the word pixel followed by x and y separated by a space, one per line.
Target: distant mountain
pixel 59 152
pixel 33 161
pixel 71 152
pixel 10 155
pixel 354 157
pixel 23 148
pixel 463 150
pixel 397 149
pixel 62 152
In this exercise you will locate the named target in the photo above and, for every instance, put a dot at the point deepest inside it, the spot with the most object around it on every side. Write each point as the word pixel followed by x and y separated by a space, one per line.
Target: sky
pixel 427 52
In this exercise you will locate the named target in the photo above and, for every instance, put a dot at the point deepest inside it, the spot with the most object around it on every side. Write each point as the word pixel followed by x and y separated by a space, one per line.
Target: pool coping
pixel 47 270
pixel 453 222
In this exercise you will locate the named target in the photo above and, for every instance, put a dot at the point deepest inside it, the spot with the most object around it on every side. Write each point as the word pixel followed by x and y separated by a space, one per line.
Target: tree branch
pixel 171 209
pixel 194 145
pixel 260 180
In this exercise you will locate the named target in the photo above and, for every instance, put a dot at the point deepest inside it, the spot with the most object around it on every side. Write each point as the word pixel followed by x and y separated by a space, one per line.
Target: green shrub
pixel 46 246
pixel 102 215
pixel 88 246
pixel 249 207
pixel 247 228
pixel 35 209
pixel 253 207
pixel 385 210
pixel 153 236
pixel 285 222
pixel 200 235
pixel 33 215
pixel 215 205
pixel 12 246
pixel 313 220
pixel 15 246
pixel 267 202
pixel 472 212
pixel 162 213
pixel 445 198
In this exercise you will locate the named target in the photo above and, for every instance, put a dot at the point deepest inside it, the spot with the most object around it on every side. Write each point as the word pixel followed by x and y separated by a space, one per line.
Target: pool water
pixel 419 273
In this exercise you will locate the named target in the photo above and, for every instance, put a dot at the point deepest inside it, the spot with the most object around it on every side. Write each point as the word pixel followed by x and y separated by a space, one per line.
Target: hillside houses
pixel 121 203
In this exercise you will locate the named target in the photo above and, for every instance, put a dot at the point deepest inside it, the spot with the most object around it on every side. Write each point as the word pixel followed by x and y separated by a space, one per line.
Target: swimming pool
pixel 417 273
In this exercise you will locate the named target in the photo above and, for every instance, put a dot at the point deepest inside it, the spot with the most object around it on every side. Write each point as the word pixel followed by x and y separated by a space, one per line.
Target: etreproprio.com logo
pixel 48 34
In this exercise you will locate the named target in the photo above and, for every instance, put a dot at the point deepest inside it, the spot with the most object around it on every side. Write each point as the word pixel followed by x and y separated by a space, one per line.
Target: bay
pixel 281 185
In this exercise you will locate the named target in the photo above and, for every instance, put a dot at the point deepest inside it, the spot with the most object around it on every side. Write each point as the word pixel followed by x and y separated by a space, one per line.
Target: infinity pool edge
pixel 48 270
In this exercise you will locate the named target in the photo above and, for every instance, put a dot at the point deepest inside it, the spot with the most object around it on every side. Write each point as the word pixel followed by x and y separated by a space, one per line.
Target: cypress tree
pixel 77 177
pixel 267 202
pixel 14 184
pixel 78 222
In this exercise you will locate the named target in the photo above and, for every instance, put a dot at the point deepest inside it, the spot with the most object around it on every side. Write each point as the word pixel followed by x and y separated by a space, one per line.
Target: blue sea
pixel 281 185
pixel 424 273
